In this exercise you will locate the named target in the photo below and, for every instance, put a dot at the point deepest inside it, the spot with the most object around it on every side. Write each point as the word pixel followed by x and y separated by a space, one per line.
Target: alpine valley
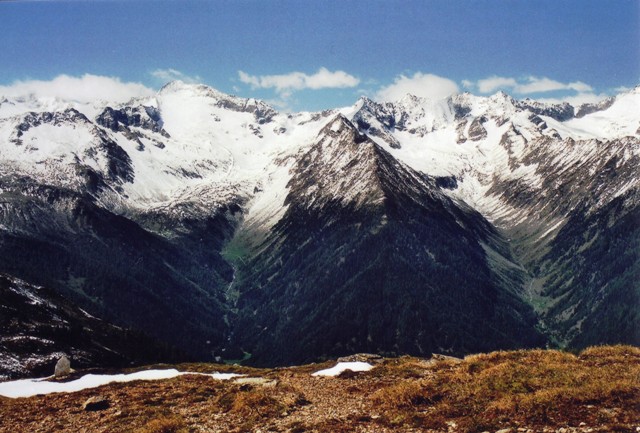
pixel 229 231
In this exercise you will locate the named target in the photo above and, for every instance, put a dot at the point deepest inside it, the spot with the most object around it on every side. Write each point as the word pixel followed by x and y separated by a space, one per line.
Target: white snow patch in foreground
pixel 342 366
pixel 31 387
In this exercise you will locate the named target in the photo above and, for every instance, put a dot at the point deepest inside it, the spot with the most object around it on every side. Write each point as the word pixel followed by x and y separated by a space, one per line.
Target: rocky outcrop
pixel 476 130
pixel 560 112
pixel 33 120
pixel 121 120
pixel 586 109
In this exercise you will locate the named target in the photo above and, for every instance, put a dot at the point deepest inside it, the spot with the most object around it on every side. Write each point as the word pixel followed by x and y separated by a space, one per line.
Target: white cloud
pixel 526 85
pixel 578 99
pixel 167 75
pixel 285 84
pixel 491 84
pixel 84 89
pixel 283 104
pixel 622 89
pixel 540 85
pixel 423 85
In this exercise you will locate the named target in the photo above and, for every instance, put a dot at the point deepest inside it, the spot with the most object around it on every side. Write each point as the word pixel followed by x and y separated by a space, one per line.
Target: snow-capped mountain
pixel 220 225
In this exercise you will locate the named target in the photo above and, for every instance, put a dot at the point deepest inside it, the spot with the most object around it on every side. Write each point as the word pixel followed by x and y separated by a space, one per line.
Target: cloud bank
pixel 84 89
pixel 525 86
pixel 166 75
pixel 423 85
pixel 285 84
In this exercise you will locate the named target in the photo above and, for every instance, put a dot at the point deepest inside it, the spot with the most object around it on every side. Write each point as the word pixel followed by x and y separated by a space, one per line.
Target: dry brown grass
pixel 404 394
pixel 164 424
pixel 403 367
pixel 204 367
pixel 255 402
pixel 534 387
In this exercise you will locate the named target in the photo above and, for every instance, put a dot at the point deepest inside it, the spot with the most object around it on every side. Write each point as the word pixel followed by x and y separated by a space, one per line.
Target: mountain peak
pixel 412 100
pixel 340 125
pixel 347 166
pixel 195 89
pixel 364 101
pixel 339 167
pixel 502 98
pixel 185 94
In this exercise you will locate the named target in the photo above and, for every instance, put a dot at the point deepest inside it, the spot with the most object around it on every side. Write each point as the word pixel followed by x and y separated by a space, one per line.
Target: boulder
pixel 63 367
pixel 96 403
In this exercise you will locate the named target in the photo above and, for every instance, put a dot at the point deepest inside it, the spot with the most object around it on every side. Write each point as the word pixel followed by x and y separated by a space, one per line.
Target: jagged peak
pixel 365 100
pixel 347 166
pixel 197 89
pixel 409 100
pixel 340 166
pixel 364 103
pixel 339 126
pixel 341 140
pixel 502 98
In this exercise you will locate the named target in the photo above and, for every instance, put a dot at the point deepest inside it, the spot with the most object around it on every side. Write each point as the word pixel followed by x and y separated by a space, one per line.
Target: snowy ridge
pixel 485 142
pixel 211 142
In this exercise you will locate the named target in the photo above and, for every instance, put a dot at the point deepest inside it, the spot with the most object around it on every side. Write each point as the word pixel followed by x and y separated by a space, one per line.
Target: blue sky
pixel 310 55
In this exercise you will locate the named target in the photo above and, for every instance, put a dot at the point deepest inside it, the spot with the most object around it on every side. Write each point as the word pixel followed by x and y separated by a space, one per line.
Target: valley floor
pixel 597 390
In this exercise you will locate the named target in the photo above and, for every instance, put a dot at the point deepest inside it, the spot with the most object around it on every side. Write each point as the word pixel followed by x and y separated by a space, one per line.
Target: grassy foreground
pixel 596 390
pixel 599 387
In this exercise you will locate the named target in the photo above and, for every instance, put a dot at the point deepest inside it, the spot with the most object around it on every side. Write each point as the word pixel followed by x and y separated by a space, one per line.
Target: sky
pixel 312 55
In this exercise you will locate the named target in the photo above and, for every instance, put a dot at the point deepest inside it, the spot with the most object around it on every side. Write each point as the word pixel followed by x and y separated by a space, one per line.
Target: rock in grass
pixel 440 357
pixel 96 403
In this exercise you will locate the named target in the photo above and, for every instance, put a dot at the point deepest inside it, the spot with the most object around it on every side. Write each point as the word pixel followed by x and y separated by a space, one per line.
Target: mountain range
pixel 219 226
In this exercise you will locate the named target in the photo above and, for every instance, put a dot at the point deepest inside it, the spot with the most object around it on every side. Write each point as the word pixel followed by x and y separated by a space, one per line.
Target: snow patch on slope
pixel 31 387
pixel 341 367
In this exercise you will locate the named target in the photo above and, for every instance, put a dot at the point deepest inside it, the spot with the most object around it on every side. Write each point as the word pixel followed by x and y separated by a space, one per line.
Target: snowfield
pixel 31 387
